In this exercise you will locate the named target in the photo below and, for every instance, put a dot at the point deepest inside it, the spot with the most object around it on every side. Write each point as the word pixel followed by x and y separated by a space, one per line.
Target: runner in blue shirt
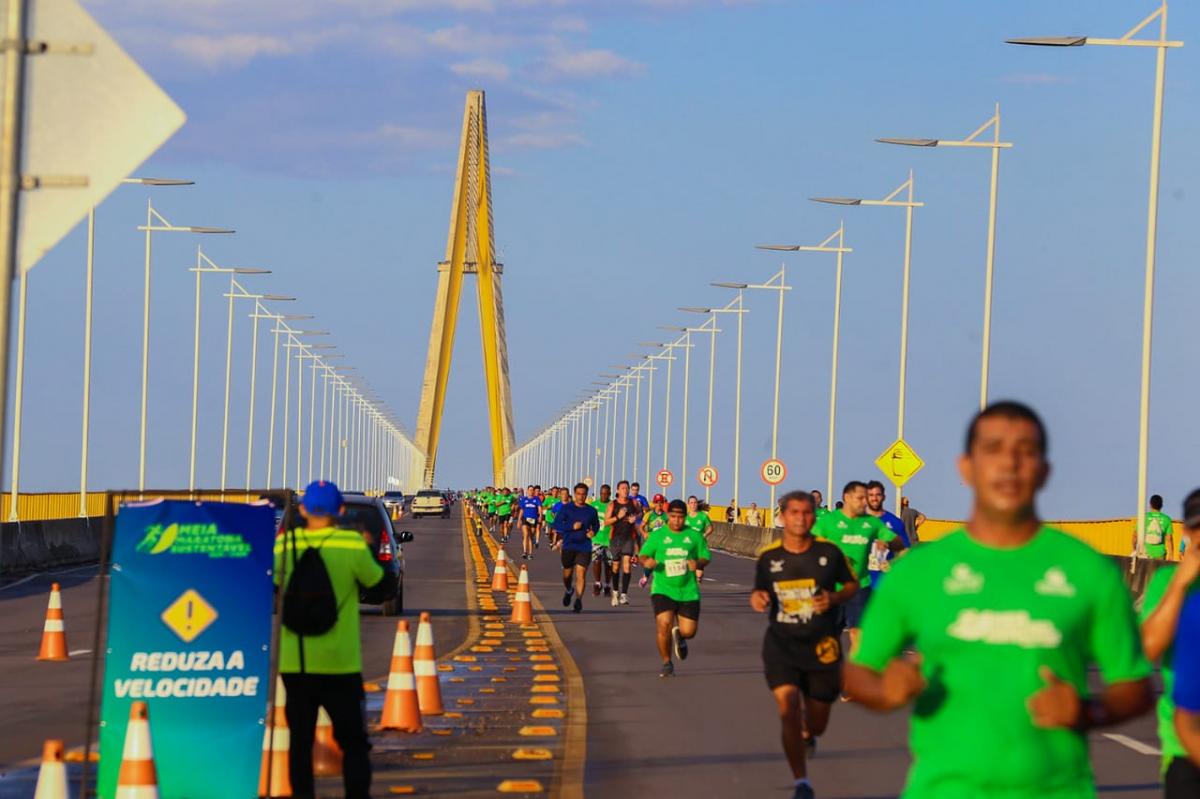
pixel 1187 687
pixel 529 509
pixel 881 556
pixel 635 494
pixel 576 523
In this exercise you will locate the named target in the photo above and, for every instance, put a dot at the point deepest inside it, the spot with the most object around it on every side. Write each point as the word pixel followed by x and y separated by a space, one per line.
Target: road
pixel 708 732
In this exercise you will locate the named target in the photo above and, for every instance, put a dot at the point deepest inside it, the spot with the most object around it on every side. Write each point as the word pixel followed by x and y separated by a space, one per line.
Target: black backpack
pixel 309 604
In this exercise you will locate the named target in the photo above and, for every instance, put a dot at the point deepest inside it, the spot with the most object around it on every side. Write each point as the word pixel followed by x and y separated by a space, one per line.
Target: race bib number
pixel 675 568
pixel 795 601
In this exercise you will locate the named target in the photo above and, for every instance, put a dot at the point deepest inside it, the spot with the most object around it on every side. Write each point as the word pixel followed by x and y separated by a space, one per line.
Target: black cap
pixel 1191 510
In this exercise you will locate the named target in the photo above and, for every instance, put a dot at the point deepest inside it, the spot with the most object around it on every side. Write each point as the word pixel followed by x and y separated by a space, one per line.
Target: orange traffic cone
pixel 500 576
pixel 54 634
pixel 327 755
pixel 277 739
pixel 429 689
pixel 522 612
pixel 137 778
pixel 401 708
pixel 52 778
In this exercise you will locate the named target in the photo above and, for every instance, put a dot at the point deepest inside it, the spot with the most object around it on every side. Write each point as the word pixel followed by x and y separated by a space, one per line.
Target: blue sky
pixel 640 150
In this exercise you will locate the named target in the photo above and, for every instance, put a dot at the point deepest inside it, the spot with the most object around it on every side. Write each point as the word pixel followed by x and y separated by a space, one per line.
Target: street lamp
pixel 280 327
pixel 1161 44
pixel 995 145
pixel 908 205
pixel 259 313
pixel 687 367
pixel 712 370
pixel 155 223
pixel 840 249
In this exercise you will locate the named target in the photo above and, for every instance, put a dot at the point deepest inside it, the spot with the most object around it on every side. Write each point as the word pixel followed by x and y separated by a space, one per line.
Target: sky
pixel 641 148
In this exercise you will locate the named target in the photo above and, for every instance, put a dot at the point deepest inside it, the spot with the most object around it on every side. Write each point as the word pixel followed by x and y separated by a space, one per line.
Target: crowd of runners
pixel 989 632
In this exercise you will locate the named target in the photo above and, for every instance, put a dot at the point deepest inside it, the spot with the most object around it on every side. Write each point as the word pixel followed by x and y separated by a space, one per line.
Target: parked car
pixel 430 502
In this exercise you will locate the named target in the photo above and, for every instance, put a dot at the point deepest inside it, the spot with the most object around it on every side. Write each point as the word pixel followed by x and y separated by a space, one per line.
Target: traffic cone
pixel 401 708
pixel 522 612
pixel 54 635
pixel 327 755
pixel 137 778
pixel 277 739
pixel 429 689
pixel 52 778
pixel 500 576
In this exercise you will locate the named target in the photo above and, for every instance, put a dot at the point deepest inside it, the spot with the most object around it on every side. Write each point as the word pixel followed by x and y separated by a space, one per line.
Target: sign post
pixel 899 462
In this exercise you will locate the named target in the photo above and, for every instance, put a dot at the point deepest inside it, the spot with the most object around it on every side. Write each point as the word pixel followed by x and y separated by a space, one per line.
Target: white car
pixel 430 503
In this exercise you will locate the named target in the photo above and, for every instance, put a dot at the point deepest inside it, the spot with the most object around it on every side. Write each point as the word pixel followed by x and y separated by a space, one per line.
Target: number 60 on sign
pixel 773 472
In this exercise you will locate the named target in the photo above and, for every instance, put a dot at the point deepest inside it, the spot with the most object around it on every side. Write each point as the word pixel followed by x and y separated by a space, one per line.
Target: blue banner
pixel 189 632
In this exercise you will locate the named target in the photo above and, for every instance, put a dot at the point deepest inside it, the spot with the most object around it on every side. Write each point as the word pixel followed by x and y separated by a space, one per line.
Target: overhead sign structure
pixel 83 82
pixel 189 632
pixel 664 478
pixel 899 462
pixel 707 476
pixel 773 472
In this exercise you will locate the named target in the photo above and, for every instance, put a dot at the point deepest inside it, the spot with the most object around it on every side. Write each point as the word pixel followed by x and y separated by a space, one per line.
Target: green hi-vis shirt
pixel 1158 527
pixel 547 504
pixel 350 564
pixel 603 536
pixel 854 537
pixel 985 620
pixel 671 552
pixel 699 522
pixel 1171 747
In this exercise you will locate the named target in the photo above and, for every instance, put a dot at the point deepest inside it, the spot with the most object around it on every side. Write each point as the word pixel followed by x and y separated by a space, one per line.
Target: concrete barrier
pixel 28 546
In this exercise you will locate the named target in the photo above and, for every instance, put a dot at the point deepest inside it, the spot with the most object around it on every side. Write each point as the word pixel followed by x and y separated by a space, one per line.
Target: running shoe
pixel 607 589
pixel 642 582
pixel 615 599
pixel 668 670
pixel 578 604
pixel 596 589
pixel 678 644
pixel 524 556
pixel 567 598
pixel 624 599
pixel 804 791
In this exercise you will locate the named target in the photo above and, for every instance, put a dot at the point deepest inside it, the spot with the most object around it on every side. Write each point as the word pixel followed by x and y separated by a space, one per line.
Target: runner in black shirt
pixel 800 580
pixel 624 518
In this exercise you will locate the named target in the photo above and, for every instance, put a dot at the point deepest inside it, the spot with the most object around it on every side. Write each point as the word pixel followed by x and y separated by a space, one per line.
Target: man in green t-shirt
pixel 1007 616
pixel 856 533
pixel 504 508
pixel 549 500
pixel 326 670
pixel 655 519
pixel 601 561
pixel 676 554
pixel 698 521
pixel 1162 602
pixel 1160 532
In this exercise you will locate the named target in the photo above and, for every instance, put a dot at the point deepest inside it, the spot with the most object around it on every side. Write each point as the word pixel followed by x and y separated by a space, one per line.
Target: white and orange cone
pixel 277 740
pixel 401 708
pixel 138 778
pixel 429 688
pixel 52 777
pixel 327 755
pixel 54 633
pixel 522 612
pixel 500 576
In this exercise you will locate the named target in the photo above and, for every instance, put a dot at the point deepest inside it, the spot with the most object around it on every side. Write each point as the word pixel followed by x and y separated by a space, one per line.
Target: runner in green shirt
pixel 1007 616
pixel 698 521
pixel 1162 602
pixel 818 498
pixel 655 519
pixel 1160 531
pixel 548 503
pixel 676 554
pixel 601 561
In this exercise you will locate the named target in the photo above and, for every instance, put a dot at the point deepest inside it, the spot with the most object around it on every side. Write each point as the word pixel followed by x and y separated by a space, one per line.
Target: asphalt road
pixel 711 731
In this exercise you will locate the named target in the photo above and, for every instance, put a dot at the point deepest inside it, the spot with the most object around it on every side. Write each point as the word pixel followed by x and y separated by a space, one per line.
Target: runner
pixel 855 533
pixel 635 493
pixel 601 561
pixel 1169 587
pixel 1007 615
pixel 490 495
pixel 503 511
pixel 819 500
pixel 1160 532
pixel 652 522
pixel 548 503
pixel 801 580
pixel 531 515
pixel 624 518
pixel 560 501
pixel 576 524
pixel 880 559
pixel 676 555
pixel 698 521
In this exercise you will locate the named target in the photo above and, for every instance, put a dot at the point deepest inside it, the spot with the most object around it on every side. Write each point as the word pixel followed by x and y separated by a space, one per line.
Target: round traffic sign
pixel 589 482
pixel 773 472
pixel 707 476
pixel 664 478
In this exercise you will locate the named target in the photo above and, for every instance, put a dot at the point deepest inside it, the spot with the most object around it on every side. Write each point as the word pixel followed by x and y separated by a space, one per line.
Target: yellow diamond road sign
pixel 189 615
pixel 899 463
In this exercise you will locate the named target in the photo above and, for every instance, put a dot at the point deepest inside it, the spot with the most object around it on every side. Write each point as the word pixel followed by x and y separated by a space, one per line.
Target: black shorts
pixel 1182 779
pixel 857 605
pixel 799 663
pixel 572 558
pixel 626 548
pixel 664 604
pixel 530 523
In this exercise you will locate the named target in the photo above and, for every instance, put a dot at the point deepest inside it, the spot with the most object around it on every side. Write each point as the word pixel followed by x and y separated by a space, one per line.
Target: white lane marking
pixel 27 578
pixel 1133 743
pixel 75 652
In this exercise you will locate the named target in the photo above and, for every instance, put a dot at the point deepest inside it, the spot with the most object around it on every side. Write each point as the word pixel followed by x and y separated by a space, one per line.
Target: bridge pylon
pixel 470 249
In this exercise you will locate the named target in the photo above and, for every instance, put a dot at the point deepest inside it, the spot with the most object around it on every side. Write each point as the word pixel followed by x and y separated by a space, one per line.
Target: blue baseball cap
pixel 322 498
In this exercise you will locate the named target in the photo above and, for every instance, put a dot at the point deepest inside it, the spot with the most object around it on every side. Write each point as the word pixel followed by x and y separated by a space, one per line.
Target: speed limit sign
pixel 773 472
pixel 665 478
pixel 707 476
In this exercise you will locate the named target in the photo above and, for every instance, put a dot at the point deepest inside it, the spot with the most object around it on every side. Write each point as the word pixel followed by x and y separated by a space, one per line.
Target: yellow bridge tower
pixel 470 249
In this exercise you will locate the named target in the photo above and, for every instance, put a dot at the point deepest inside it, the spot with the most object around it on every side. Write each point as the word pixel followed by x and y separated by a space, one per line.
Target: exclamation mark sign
pixel 190 608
